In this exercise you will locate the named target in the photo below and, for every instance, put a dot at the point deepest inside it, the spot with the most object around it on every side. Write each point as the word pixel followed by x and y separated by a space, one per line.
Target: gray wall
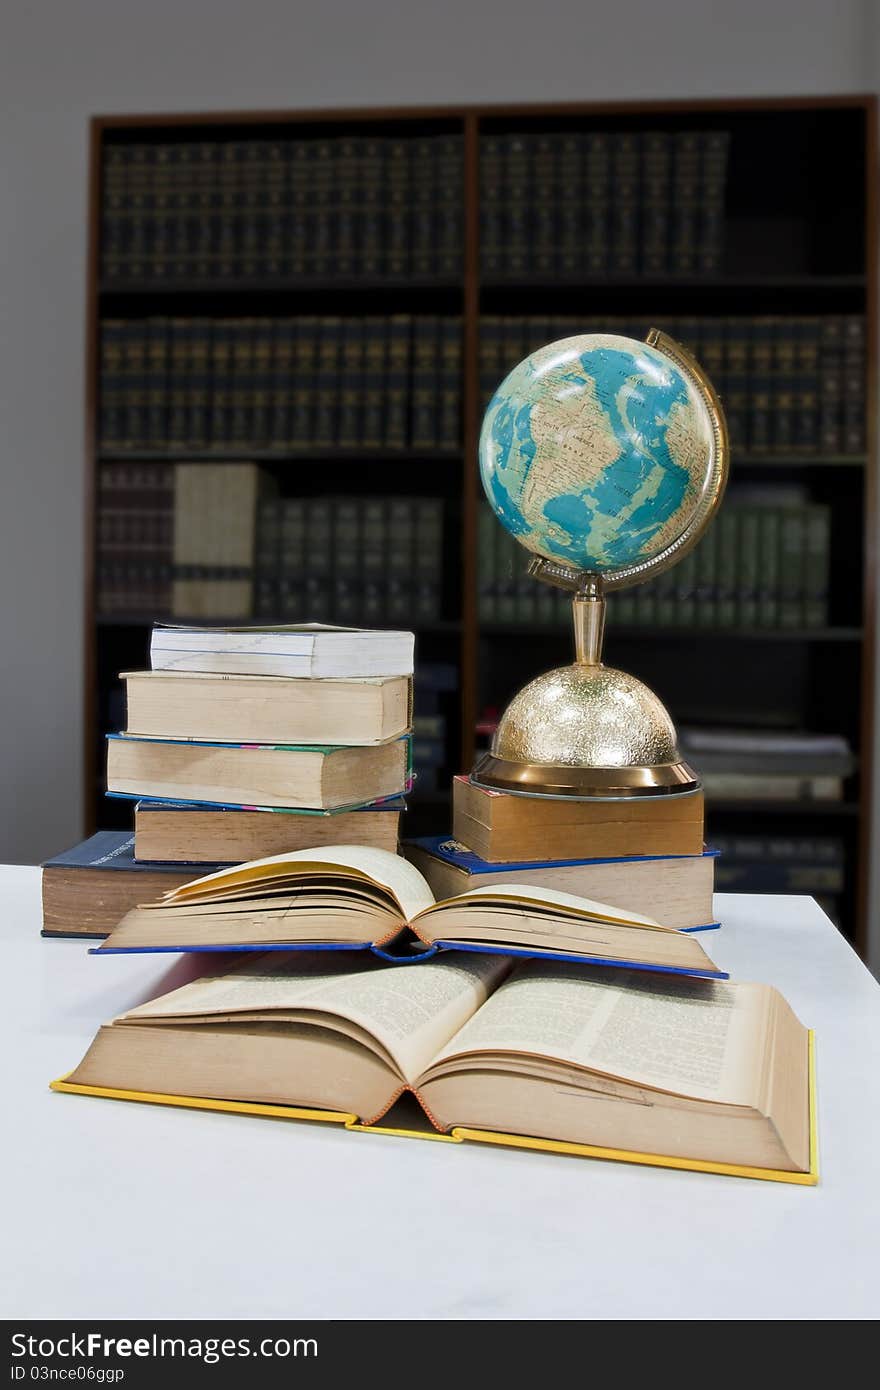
pixel 64 60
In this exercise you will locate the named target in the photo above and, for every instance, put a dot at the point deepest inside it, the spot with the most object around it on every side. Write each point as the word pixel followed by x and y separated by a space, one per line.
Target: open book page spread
pixel 412 1013
pixel 691 1037
pixel 550 898
pixel 402 880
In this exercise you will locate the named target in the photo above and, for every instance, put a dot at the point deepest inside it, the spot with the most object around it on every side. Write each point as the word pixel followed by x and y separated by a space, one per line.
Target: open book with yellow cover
pixel 615 1063
pixel 356 897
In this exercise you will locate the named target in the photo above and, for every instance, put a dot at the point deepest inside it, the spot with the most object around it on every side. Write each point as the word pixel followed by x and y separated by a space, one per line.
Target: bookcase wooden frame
pixel 470 120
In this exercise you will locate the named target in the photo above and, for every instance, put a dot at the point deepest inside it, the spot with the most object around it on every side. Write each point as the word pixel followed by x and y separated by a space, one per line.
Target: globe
pixel 594 452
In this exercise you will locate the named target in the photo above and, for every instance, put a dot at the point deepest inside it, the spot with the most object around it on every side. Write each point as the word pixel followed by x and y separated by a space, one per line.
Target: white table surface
pixel 135 1211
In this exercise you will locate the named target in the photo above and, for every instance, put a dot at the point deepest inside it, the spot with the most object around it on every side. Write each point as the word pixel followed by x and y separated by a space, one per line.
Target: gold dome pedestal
pixel 586 730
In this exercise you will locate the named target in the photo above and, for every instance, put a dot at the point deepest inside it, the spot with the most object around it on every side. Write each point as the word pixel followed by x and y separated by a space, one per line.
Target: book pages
pixel 703 1039
pixel 412 1013
pixel 402 880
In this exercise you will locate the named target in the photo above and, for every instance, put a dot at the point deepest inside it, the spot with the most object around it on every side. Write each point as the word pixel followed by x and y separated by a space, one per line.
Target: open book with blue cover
pixel 353 897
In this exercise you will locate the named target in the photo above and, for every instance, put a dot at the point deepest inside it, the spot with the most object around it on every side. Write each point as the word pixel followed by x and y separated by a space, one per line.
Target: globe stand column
pixel 588 616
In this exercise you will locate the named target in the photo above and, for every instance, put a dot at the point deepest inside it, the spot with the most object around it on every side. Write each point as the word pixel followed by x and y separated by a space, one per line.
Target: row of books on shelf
pixel 624 203
pixel 214 540
pixel 277 209
pixel 197 384
pixel 621 202
pixel 357 560
pixel 788 384
pixel 762 565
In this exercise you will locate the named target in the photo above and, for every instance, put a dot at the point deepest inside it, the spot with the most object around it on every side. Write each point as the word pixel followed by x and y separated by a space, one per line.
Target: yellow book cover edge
pixel 458 1135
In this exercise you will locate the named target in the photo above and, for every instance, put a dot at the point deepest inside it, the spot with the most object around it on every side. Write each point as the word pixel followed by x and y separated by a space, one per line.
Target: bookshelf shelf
pixel 348 283
pixel 781 808
pixel 364 454
pixel 642 634
pixel 798 231
pixel 724 283
pixel 449 628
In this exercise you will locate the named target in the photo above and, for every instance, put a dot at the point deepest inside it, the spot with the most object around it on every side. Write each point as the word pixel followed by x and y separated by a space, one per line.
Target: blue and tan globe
pixel 594 450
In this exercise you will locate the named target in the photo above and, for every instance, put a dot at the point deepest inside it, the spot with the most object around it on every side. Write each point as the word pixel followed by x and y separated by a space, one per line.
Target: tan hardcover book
pixel 229 774
pixel 206 835
pixel 676 890
pixel 214 528
pixel 499 826
pixel 266 709
pixel 691 1071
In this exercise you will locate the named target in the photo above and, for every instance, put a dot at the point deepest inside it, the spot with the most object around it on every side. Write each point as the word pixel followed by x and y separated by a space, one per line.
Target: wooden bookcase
pixel 800 239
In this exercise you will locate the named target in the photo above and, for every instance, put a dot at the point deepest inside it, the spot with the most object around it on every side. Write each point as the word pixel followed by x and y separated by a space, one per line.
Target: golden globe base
pixel 586 730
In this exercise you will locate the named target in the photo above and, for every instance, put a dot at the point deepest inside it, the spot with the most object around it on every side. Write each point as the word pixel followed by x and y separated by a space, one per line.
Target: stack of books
pixel 242 743
pixel 531 1003
pixel 367 1003
pixel 643 856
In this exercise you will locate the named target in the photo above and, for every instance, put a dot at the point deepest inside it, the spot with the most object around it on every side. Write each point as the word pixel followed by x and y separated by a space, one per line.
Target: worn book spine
pixel 395 191
pixel 656 164
pixel 220 414
pixel 111 429
pixel 371 260
pixel 268 570
pixel 816 566
pixel 792 537
pixel 297 205
pixel 571 215
pixel 761 385
pixel 545 197
pixel 517 202
pixel 597 203
pixel 449 423
pixel 373 382
pixel 783 411
pixel 625 181
pixel 736 372
pixel 113 177
pixel 305 352
pixel 854 384
pixel 686 181
pixel 806 390
pixel 491 205
pixel 242 412
pixel 428 558
pixel 280 378
pixel 396 415
pixel 749 567
pixel 329 344
pixel 319 543
pixel 400 558
pixel 831 369
pixel 346 547
pixel 768 592
pixel 424 382
pixel 422 227
pixel 351 384
pixel 714 151
pixel 373 561
pixel 448 168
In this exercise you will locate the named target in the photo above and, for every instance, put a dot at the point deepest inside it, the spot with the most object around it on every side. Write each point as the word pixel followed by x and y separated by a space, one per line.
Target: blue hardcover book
pixel 674 889
pixel 348 897
pixel 87 889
